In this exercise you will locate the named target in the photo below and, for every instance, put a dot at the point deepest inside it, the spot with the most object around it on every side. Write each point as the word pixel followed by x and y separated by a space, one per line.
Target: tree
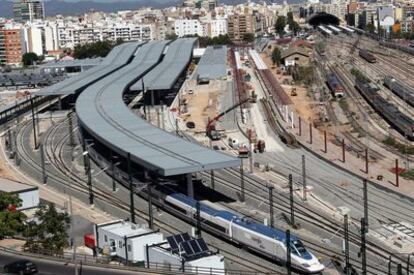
pixel 294 27
pixel 29 59
pixel 276 56
pixel 280 25
pixel 289 19
pixel 171 36
pixel 50 232
pixel 11 221
pixel 92 50
pixel 370 28
pixel 205 41
pixel 119 41
pixel 248 37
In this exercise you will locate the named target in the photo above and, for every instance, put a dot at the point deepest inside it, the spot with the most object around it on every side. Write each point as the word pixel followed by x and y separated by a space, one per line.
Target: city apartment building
pixel 28 10
pixel 238 25
pixel 185 27
pixel 10 46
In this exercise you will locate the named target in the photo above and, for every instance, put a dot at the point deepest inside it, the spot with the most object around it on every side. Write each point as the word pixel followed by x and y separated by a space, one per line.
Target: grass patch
pixel 343 104
pixel 399 146
pixel 359 75
pixel 408 174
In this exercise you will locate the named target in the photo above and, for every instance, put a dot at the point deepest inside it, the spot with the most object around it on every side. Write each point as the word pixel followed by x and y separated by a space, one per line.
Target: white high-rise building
pixel 51 38
pixel 218 27
pixel 183 27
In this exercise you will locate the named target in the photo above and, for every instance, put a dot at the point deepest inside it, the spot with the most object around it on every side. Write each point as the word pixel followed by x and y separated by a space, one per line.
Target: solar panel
pixel 179 238
pixel 186 236
pixel 173 243
pixel 176 240
pixel 187 249
pixel 202 245
pixel 194 245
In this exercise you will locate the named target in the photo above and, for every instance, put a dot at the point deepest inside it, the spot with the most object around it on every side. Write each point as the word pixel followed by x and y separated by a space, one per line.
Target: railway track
pixel 385 92
pixel 309 216
pixel 304 214
pixel 362 106
pixel 63 174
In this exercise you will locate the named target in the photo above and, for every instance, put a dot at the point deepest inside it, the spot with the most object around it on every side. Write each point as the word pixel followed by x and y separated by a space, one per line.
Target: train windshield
pixel 298 247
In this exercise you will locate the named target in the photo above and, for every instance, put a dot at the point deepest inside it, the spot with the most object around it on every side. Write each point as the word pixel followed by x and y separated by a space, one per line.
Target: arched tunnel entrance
pixel 323 18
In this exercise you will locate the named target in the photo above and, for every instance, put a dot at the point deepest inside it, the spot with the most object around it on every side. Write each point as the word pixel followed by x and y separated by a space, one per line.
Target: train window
pixel 299 247
pixel 215 226
pixel 175 207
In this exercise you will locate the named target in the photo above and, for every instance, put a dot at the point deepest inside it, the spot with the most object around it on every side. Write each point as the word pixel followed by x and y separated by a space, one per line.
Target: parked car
pixel 21 267
pixel 190 125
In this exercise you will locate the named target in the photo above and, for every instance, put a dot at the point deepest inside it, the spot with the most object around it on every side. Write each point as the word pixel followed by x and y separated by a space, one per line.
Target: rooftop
pixel 124 228
pixel 165 74
pixel 10 186
pixel 213 63
pixel 73 63
pixel 103 113
pixel 294 50
pixel 118 57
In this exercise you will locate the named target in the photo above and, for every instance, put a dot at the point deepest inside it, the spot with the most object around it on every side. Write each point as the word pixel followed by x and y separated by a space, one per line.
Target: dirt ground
pixel 5 171
pixel 202 104
pixel 303 104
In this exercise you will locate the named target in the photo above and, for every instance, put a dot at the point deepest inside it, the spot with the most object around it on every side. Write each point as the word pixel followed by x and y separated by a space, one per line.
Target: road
pixel 47 267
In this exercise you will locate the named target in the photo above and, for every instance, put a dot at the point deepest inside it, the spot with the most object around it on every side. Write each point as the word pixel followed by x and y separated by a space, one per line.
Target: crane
pixel 211 131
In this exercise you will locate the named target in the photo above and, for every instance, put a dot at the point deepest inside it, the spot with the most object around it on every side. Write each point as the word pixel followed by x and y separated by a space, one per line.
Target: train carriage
pixel 367 56
pixel 270 242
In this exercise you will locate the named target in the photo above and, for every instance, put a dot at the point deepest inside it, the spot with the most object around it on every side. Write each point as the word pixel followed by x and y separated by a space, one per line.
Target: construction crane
pixel 211 130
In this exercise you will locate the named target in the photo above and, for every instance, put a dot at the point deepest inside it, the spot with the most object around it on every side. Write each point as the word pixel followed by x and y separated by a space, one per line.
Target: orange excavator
pixel 211 130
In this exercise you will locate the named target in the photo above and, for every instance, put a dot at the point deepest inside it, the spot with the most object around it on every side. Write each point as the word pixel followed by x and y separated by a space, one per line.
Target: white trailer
pixel 125 240
pixel 28 194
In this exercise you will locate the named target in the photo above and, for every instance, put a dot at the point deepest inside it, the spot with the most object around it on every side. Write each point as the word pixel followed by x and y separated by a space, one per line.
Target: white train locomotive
pixel 258 237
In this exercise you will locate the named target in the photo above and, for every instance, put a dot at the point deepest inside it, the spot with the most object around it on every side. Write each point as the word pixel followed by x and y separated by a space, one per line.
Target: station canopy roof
pixel 103 113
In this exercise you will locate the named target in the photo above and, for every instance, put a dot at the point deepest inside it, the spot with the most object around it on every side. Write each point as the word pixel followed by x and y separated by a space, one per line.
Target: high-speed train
pixel 265 240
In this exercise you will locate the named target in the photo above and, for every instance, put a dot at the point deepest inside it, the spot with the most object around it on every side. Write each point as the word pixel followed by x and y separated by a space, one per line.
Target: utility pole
pixel 71 138
pixel 212 180
pixel 16 150
pixel 42 161
pixel 363 248
pixel 343 150
pixel 150 215
pixel 144 95
pixel 292 211
pixel 176 127
pixel 89 171
pixel 304 177
pixel 198 228
pixel 271 216
pixel 365 190
pixel 288 252
pixel 131 189
pixel 242 196
pixel 397 172
pixel 34 123
pixel 346 246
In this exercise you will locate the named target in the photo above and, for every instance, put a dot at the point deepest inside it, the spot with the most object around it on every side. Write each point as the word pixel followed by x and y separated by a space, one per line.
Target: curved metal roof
pixel 103 113
pixel 118 57
pixel 165 74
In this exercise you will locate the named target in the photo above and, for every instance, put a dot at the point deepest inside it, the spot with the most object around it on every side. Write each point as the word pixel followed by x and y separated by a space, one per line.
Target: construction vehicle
pixel 211 130
pixel 243 152
pixel 260 146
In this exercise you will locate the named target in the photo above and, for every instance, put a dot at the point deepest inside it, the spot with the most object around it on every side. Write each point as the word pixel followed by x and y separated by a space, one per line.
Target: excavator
pixel 211 130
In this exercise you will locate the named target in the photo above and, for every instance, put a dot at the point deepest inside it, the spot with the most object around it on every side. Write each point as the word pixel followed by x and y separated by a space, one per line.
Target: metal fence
pixel 107 262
